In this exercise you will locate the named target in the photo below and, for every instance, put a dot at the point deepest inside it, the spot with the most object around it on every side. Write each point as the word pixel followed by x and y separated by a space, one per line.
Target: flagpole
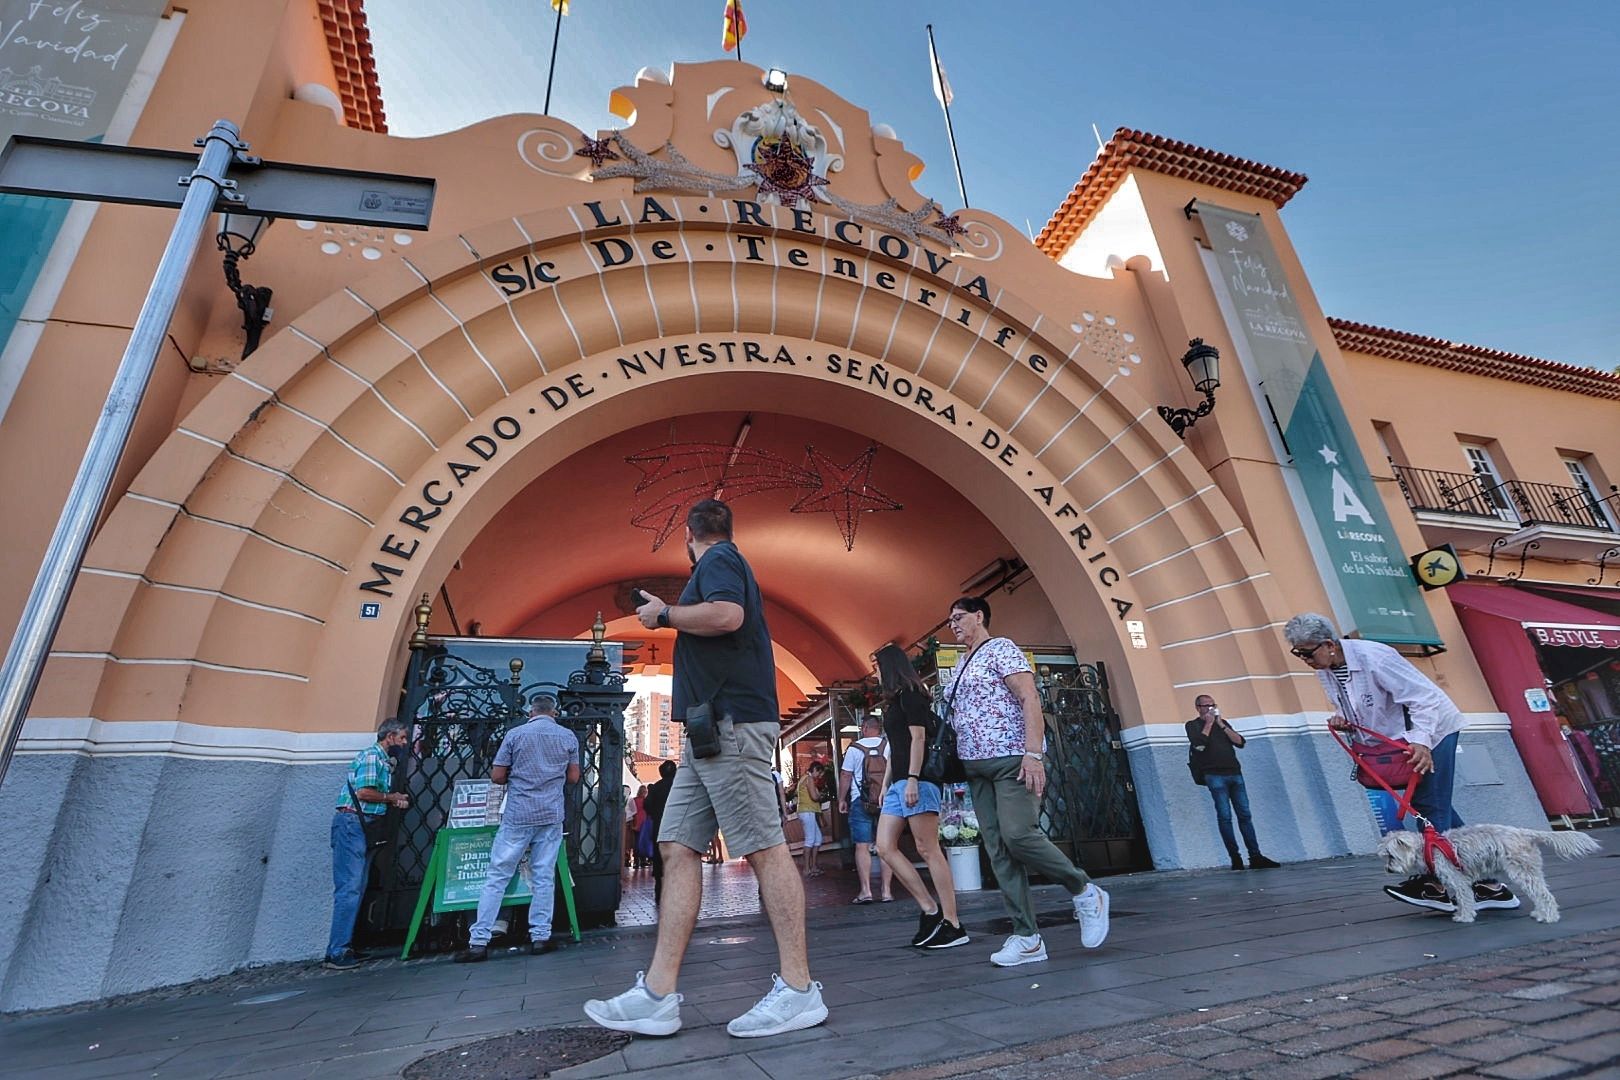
pixel 950 132
pixel 555 35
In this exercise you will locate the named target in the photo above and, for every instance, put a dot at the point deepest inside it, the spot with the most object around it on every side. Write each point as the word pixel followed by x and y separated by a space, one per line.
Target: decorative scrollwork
pixel 1496 545
pixel 1603 562
pixel 549 151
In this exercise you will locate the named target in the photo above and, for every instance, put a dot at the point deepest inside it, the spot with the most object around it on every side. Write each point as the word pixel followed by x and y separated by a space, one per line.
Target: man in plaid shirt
pixel 534 762
pixel 366 781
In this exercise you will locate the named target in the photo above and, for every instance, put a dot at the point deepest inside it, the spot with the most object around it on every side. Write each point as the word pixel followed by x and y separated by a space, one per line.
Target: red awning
pixel 1550 622
pixel 1501 621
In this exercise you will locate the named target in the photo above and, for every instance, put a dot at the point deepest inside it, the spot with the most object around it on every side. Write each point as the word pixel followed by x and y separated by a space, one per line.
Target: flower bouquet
pixel 958 827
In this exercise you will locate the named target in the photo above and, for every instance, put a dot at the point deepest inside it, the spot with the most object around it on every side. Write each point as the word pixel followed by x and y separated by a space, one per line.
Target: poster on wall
pixel 1364 567
pixel 65 66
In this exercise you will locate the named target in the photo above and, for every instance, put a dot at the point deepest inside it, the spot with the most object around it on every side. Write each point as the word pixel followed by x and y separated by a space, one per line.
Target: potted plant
pixel 959 836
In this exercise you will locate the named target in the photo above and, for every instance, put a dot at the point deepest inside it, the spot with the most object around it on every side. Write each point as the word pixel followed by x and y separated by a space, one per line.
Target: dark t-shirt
pixel 657 798
pixel 1212 753
pixel 736 670
pixel 910 709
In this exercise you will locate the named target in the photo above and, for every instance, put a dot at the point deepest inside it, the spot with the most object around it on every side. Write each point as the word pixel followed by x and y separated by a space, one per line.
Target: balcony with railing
pixel 1465 508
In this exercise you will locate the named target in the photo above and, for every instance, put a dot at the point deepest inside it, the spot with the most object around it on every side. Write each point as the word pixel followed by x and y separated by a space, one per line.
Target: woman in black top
pixel 908 801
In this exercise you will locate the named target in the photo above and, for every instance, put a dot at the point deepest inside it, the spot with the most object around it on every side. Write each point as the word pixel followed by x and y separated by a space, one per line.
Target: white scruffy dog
pixel 1488 851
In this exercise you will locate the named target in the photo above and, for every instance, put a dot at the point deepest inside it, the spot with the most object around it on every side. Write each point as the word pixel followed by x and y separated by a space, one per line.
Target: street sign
pixel 59 168
pixel 222 177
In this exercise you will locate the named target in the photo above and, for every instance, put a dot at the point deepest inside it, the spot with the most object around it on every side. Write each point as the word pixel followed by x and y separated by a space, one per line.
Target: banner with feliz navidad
pixel 1364 567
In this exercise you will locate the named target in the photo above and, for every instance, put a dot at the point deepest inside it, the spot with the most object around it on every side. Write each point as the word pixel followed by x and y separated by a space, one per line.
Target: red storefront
pixel 1546 659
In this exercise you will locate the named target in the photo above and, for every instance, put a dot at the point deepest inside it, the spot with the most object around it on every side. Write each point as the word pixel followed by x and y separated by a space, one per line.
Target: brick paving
pixel 1544 1010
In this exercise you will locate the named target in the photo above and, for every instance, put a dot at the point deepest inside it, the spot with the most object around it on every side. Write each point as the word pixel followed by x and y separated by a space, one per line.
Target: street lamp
pixel 238 237
pixel 1203 364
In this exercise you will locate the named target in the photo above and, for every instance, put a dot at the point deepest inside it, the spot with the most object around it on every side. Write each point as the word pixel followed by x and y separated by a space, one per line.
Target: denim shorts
pixel 862 829
pixel 894 803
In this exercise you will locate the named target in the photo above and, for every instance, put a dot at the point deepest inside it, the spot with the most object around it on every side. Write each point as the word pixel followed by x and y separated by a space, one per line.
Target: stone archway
pixel 351 456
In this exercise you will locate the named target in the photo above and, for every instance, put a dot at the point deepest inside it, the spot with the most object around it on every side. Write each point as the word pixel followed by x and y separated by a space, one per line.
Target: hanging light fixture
pixel 238 237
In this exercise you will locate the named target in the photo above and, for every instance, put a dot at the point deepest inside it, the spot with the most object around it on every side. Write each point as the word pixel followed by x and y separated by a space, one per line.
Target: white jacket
pixel 1381 682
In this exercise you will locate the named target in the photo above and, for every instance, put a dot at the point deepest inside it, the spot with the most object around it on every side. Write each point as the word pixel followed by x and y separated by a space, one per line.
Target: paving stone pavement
pixel 1546 1010
pixel 1245 945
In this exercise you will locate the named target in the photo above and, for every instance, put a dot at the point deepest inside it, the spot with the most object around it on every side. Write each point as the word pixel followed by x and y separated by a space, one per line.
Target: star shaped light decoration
pixel 598 150
pixel 786 172
pixel 1329 456
pixel 674 475
pixel 951 225
pixel 844 491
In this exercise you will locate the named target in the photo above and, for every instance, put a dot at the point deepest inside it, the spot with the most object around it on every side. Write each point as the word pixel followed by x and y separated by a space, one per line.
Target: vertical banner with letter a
pixel 1361 560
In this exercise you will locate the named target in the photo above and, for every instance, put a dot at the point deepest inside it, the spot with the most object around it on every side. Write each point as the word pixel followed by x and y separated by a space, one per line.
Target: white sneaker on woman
pixel 1091 908
pixel 1020 950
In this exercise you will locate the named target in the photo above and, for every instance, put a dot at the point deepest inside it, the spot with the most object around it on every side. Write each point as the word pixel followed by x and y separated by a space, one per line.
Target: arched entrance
pixel 254 584
pixel 355 458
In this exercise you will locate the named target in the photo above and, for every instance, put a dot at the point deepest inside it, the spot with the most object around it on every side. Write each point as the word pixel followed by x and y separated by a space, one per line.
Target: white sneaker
pixel 782 1009
pixel 638 1011
pixel 1020 950
pixel 1091 908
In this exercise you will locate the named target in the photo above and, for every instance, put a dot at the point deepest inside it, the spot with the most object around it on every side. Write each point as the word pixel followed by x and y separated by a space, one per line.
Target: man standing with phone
pixel 1215 744
pixel 725 694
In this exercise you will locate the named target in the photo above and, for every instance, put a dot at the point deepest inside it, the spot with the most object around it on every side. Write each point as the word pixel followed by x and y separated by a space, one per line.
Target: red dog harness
pixel 1433 842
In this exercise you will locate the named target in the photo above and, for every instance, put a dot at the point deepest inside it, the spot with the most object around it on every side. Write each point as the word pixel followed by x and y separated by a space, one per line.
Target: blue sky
pixel 1464 158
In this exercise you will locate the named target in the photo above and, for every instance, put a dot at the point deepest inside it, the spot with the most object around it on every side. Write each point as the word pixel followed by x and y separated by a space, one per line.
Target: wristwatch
pixel 663 617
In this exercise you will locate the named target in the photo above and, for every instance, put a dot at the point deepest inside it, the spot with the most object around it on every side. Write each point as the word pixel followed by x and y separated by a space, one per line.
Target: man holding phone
pixel 1214 755
pixel 725 694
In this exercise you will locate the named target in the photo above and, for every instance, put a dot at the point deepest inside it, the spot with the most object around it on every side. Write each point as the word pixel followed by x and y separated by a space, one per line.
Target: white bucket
pixel 965 868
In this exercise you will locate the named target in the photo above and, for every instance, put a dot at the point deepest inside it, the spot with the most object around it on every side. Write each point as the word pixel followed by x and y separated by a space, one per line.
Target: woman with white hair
pixel 1370 684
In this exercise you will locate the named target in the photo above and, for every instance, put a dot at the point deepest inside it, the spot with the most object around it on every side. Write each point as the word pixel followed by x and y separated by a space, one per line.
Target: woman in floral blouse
pixel 1001 735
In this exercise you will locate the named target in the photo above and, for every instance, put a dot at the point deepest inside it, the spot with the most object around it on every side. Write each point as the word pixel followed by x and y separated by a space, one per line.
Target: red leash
pixel 1432 840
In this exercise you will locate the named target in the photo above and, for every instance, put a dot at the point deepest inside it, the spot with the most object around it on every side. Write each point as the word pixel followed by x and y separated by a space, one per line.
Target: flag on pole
pixel 560 6
pixel 942 85
pixel 736 27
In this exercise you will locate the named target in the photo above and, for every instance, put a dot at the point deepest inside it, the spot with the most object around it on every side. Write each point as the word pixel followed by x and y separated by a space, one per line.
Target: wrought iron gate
pixel 1090 805
pixel 459 712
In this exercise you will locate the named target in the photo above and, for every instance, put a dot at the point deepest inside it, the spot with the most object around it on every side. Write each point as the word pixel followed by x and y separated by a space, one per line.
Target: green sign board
pixel 464 866
pixel 1339 505
pixel 456 873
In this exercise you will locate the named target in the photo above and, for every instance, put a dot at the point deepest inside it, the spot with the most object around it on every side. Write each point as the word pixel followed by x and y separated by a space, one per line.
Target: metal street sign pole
pixel 224 178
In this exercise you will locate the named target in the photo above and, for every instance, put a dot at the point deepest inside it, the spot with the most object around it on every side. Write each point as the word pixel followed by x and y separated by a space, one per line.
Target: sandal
pixel 861 900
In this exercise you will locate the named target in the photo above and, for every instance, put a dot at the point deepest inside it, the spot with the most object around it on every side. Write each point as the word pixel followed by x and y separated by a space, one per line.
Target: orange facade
pixel 454 410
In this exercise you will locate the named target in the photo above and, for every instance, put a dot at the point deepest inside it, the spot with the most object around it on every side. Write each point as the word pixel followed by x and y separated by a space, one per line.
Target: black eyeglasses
pixel 1306 654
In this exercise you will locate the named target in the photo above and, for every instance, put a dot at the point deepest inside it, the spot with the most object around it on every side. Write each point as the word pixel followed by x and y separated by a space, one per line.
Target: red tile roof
pixel 1474 359
pixel 1130 149
pixel 349 43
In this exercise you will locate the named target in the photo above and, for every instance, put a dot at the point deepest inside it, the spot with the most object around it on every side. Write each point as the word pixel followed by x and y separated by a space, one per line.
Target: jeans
pixel 1228 792
pixel 1010 823
pixel 511 841
pixel 351 866
pixel 1433 796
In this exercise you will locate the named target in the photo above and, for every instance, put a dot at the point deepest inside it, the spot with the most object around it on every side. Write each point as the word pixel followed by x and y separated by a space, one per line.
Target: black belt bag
pixel 702 730
pixel 374 826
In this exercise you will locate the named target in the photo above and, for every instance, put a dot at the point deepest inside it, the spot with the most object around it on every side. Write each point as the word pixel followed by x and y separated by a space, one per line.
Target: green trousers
pixel 1010 824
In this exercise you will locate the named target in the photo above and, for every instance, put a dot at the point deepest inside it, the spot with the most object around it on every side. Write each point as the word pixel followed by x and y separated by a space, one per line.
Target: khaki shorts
pixel 732 792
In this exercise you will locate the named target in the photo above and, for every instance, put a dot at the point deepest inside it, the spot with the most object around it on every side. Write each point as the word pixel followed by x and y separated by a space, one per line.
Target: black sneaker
pixel 343 961
pixel 540 948
pixel 1422 890
pixel 472 954
pixel 1258 861
pixel 927 926
pixel 1493 894
pixel 948 936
